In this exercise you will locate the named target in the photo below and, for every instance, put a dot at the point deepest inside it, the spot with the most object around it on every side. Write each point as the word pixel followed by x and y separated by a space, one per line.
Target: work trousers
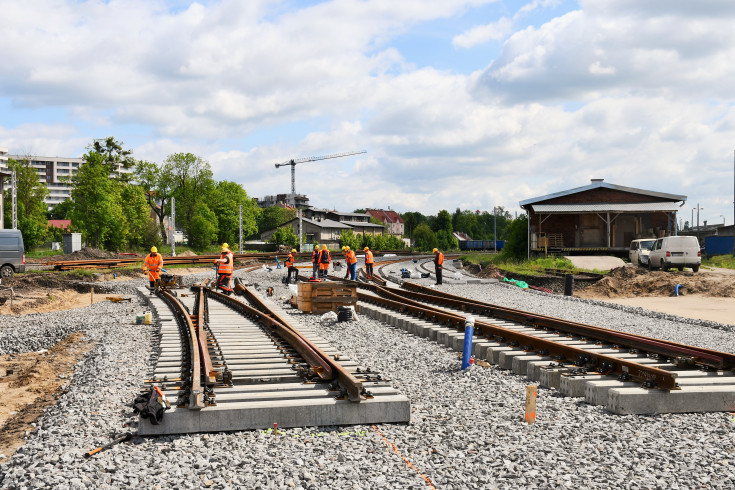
pixel 295 272
pixel 352 268
pixel 438 270
pixel 223 282
pixel 315 270
pixel 369 270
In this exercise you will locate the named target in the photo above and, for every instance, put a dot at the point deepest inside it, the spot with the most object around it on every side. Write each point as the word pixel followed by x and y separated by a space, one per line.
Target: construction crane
pixel 293 163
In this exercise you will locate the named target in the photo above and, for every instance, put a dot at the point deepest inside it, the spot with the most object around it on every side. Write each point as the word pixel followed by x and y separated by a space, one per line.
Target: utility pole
pixel 172 227
pixel 698 209
pixel 733 205
pixel 14 197
pixel 240 228
pixel 301 229
pixel 495 228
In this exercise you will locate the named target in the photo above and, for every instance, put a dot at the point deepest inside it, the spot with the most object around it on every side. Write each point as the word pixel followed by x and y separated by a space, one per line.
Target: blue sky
pixel 458 103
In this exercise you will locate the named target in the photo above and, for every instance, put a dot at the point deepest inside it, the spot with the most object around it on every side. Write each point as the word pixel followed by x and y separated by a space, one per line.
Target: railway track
pixel 236 364
pixel 624 372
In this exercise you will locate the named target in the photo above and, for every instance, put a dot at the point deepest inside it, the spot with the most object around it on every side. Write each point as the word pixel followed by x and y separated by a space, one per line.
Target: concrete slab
pixel 688 399
pixel 598 262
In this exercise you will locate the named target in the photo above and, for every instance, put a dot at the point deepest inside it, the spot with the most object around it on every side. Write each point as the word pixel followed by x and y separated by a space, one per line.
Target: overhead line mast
pixel 294 162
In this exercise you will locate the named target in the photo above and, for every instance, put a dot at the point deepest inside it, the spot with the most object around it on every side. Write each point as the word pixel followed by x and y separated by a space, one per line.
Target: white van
pixel 675 251
pixel 639 250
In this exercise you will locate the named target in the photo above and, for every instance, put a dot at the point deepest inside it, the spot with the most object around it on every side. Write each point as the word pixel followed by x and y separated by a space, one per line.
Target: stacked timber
pixel 321 297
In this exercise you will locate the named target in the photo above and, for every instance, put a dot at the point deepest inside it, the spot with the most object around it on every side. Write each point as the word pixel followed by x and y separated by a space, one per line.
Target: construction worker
pixel 291 269
pixel 315 262
pixel 351 260
pixel 324 259
pixel 438 263
pixel 225 267
pixel 369 261
pixel 153 264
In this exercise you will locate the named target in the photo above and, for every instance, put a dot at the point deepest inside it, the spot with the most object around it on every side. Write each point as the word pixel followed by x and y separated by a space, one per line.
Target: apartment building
pixel 55 173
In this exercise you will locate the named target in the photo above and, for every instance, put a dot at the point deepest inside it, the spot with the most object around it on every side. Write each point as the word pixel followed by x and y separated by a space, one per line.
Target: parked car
pixel 675 251
pixel 639 250
pixel 12 253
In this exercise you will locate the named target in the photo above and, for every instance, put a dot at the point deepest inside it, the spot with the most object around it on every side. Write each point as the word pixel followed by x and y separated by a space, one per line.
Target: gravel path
pixel 467 428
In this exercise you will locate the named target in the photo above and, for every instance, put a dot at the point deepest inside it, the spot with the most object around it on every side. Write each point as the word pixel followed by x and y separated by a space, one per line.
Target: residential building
pixel 392 220
pixel 359 222
pixel 599 218
pixel 290 200
pixel 55 173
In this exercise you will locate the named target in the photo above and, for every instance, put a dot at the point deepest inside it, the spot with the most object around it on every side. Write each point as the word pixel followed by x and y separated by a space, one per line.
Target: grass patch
pixel 535 267
pixel 721 261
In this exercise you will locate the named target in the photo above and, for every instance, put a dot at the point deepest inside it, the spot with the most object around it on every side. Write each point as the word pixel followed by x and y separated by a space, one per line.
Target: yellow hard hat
pixel 293 250
pixel 347 248
pixel 324 247
pixel 154 249
pixel 366 249
pixel 344 247
pixel 435 250
pixel 225 247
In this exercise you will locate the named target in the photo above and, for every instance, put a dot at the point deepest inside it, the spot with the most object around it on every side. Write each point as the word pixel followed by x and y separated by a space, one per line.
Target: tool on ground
pixel 124 438
pixel 117 299
pixel 163 397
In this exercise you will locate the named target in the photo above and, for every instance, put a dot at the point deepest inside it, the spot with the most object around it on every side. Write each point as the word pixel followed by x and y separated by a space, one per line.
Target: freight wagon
pixel 480 244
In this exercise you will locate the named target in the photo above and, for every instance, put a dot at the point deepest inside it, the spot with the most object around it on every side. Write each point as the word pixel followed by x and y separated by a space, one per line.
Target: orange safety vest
pixel 315 257
pixel 154 262
pixel 325 257
pixel 369 257
pixel 290 260
pixel 439 259
pixel 226 268
pixel 351 258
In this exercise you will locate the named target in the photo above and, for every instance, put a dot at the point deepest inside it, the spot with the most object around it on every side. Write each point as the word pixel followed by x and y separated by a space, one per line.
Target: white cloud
pixel 494 31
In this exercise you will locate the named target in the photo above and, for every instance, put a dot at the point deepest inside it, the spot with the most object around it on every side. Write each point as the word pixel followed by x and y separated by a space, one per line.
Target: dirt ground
pixel 29 383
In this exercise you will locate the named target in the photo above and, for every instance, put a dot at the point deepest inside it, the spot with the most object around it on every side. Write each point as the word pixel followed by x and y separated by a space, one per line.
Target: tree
pixel 114 156
pixel 424 238
pixel 273 217
pixel 285 236
pixel 516 243
pixel 157 183
pixel 347 238
pixel 443 221
pixel 191 182
pixel 411 221
pixel 31 208
pixel 225 201
pixel 93 199
pixel 202 229
pixel 61 210
pixel 136 218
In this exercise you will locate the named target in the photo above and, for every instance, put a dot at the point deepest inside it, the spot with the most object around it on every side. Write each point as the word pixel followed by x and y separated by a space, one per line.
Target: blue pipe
pixel 469 328
pixel 676 290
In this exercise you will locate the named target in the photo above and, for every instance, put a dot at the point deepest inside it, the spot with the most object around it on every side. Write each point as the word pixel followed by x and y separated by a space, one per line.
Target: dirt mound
pixel 632 281
pixel 187 253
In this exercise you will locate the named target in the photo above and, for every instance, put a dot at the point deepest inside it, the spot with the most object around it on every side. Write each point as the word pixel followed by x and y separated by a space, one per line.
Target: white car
pixel 639 250
pixel 675 251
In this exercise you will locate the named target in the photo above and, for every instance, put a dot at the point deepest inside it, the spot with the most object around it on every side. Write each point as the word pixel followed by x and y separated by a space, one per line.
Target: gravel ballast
pixel 467 428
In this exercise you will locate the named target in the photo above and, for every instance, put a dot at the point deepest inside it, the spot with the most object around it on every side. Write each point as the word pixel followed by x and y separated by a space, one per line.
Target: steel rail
pixel 189 334
pixel 666 348
pixel 210 374
pixel 319 362
pixel 650 376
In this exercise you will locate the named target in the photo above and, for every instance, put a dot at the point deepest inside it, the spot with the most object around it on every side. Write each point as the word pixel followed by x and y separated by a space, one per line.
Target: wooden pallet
pixel 321 297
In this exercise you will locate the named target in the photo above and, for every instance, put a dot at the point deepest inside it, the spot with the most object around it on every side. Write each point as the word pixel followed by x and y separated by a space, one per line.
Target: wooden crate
pixel 321 297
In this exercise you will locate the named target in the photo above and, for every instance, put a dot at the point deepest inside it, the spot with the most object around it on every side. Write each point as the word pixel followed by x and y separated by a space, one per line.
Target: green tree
pixel 347 238
pixel 285 236
pixel 202 228
pixel 225 201
pixel 136 218
pixel 157 182
pixel 114 156
pixel 191 183
pixel 94 196
pixel 61 210
pixel 273 217
pixel 443 221
pixel 516 243
pixel 411 221
pixel 424 238
pixel 31 209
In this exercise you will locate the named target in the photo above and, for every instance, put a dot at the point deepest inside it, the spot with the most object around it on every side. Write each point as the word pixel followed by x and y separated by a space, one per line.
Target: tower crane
pixel 294 162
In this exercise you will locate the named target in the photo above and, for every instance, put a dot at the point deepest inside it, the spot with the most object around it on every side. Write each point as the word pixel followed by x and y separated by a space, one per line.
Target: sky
pixel 465 104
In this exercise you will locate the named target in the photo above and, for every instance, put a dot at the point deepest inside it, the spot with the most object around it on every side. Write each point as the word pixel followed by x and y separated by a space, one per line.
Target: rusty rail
pixel 651 376
pixel 708 357
pixel 189 334
pixel 319 362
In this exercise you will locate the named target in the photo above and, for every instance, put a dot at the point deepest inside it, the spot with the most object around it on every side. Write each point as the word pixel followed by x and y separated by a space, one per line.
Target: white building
pixel 55 172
